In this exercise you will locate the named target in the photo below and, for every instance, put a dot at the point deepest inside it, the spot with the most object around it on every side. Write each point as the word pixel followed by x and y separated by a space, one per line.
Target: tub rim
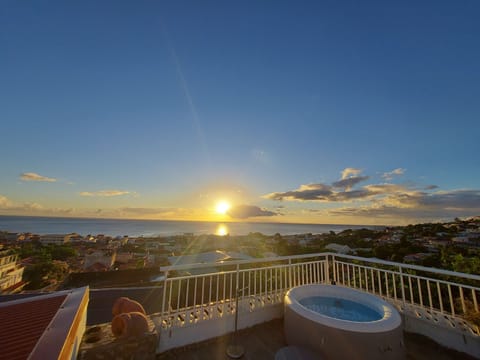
pixel 390 320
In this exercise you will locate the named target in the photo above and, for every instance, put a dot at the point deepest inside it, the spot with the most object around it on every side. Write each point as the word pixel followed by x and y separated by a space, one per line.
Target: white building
pixel 340 249
pixel 10 272
pixel 57 239
pixel 105 258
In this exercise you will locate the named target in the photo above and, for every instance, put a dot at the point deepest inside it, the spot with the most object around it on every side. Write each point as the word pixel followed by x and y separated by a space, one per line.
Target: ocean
pixel 120 227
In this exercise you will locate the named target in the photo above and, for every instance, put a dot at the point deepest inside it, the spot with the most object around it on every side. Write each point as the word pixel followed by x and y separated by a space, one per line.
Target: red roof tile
pixel 22 325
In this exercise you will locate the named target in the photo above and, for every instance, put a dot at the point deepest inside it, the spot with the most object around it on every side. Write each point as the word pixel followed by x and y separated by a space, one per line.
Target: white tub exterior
pixel 342 339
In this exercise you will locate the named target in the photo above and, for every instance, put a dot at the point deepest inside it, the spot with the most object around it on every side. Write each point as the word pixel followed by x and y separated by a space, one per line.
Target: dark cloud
pixel 325 193
pixel 305 192
pixel 350 182
pixel 420 205
pixel 248 211
pixel 458 199
pixel 351 195
pixel 407 201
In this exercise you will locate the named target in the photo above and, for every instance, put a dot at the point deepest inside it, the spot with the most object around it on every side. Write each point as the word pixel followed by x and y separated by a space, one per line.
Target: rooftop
pixel 24 323
pixel 45 326
pixel 264 340
pixel 194 314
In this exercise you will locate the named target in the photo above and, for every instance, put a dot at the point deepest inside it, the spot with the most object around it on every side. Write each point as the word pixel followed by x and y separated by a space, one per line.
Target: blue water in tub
pixel 341 309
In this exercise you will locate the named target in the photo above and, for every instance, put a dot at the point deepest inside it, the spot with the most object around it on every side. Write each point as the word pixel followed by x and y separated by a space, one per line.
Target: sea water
pixel 120 227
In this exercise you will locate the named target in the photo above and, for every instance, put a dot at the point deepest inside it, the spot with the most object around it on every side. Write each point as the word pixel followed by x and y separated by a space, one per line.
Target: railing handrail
pixel 240 262
pixel 317 255
pixel 410 266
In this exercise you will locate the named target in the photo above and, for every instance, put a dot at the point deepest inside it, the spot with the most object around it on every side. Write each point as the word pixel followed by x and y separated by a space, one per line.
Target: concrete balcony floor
pixel 261 342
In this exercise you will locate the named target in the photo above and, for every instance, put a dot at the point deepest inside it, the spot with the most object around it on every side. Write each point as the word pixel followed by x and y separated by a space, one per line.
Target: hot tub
pixel 342 323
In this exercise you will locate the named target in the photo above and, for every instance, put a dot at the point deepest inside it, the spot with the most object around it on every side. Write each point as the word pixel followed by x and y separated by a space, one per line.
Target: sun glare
pixel 222 207
pixel 222 230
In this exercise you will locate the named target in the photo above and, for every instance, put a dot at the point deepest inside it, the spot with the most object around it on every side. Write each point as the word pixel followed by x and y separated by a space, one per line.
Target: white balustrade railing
pixel 434 294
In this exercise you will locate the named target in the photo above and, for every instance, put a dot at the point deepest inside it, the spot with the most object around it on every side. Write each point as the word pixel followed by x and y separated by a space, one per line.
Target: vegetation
pixel 49 263
pixel 45 273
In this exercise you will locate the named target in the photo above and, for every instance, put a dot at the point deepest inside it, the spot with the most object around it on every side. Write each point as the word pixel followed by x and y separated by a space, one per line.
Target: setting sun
pixel 222 207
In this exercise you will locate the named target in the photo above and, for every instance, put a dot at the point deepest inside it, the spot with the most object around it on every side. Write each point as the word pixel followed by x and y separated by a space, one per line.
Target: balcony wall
pixel 433 302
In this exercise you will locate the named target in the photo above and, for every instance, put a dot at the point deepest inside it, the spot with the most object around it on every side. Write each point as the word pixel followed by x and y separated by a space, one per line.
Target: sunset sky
pixel 336 112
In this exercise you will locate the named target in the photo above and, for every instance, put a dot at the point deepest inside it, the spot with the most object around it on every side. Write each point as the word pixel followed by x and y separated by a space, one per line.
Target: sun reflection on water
pixel 221 230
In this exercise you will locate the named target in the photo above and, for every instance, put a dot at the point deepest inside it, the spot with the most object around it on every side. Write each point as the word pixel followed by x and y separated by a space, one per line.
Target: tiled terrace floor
pixel 261 342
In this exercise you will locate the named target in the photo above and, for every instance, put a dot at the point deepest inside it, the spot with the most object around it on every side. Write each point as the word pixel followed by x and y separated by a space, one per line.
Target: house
pixel 56 239
pixel 340 249
pixel 45 326
pixel 10 272
pixel 105 258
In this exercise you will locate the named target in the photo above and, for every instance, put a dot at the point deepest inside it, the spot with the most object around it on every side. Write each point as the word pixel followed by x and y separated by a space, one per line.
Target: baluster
pixel 462 299
pixel 360 278
pixel 203 295
pixel 186 293
pixel 402 287
pixel 386 284
pixel 195 293
pixel 164 292
pixel 474 298
pixel 439 293
pixel 411 289
pixel 179 290
pixel 429 295
pixel 450 298
pixel 420 292
pixel 394 286
pixel 373 280
pixel 210 290
pixel 366 279
pixel 348 275
pixel 379 282
pixel 354 276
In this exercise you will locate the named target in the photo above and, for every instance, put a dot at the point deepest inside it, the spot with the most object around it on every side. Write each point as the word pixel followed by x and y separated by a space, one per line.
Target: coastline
pixel 134 227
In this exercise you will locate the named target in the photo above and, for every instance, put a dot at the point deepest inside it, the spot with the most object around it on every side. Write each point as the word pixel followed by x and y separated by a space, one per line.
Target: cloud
pixel 343 190
pixel 348 183
pixel 456 199
pixel 307 192
pixel 106 193
pixel 390 175
pixel 327 193
pixel 30 176
pixel 347 172
pixel 5 202
pixel 419 205
pixel 9 206
pixel 248 211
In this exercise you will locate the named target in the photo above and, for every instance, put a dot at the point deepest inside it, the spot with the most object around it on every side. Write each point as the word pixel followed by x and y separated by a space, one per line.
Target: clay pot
pixel 129 324
pixel 126 305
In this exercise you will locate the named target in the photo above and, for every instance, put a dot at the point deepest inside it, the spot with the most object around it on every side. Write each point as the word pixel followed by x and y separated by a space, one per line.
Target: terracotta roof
pixel 23 324
pixel 43 327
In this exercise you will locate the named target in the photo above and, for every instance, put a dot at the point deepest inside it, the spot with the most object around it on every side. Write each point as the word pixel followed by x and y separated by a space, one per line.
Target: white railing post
pixel 327 269
pixel 402 287
pixel 164 292
pixel 289 273
pixel 334 269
